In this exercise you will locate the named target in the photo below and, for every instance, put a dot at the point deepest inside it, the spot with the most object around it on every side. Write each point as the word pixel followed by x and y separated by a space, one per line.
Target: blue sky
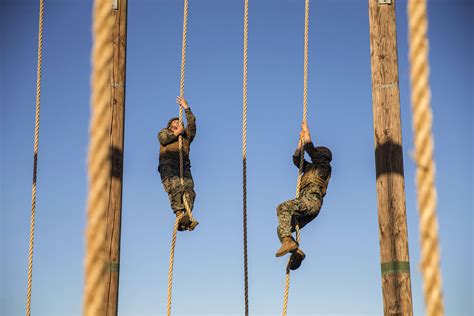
pixel 341 275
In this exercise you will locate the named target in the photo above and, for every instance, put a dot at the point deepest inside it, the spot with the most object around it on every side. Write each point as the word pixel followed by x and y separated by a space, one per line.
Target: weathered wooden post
pixel 395 266
pixel 117 118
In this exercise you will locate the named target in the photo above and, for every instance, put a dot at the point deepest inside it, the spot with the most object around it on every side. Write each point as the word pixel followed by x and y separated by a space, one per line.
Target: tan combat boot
pixel 287 245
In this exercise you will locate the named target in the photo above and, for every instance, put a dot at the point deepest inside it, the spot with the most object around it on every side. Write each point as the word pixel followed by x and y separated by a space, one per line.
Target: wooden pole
pixel 117 118
pixel 395 266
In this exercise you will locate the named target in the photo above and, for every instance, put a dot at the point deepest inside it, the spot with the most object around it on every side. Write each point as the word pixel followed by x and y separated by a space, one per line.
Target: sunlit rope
pixel 181 171
pixel 99 161
pixel 170 269
pixel 425 171
pixel 181 93
pixel 244 155
pixel 35 158
pixel 300 171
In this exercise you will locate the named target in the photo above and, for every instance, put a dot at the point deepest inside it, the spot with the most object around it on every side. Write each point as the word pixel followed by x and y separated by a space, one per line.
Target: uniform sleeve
pixel 319 155
pixel 165 137
pixel 191 125
pixel 297 158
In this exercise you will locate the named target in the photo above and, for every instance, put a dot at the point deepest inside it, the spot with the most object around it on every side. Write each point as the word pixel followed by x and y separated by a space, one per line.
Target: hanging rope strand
pixel 99 161
pixel 300 170
pixel 181 160
pixel 425 171
pixel 171 264
pixel 181 83
pixel 305 70
pixel 244 155
pixel 181 93
pixel 305 89
pixel 183 52
pixel 35 157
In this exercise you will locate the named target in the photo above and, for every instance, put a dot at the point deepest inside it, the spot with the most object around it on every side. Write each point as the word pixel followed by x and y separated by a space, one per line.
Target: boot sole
pixel 193 225
pixel 296 259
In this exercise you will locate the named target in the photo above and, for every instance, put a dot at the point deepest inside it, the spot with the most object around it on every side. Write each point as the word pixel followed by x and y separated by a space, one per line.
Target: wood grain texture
pixel 117 120
pixel 396 283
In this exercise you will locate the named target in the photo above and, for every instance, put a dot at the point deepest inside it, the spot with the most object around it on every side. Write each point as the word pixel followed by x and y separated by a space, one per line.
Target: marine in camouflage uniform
pixel 169 163
pixel 306 207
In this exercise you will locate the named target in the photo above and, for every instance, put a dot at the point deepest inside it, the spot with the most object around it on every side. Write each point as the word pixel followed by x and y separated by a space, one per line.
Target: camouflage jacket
pixel 169 149
pixel 316 174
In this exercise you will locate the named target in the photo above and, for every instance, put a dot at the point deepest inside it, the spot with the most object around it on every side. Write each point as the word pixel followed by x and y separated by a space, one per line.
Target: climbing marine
pixel 306 206
pixel 169 166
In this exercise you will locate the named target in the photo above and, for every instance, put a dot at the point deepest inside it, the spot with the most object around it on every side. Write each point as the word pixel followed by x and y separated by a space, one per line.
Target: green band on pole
pixel 113 266
pixel 395 267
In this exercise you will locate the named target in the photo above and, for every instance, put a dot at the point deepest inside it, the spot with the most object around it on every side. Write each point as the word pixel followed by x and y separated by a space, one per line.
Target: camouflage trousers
pixel 176 191
pixel 303 209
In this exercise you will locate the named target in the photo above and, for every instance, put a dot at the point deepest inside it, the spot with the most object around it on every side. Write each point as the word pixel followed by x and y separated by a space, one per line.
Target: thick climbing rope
pixel 425 171
pixel 35 158
pixel 181 93
pixel 300 171
pixel 99 161
pixel 244 155
pixel 170 269
pixel 181 171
